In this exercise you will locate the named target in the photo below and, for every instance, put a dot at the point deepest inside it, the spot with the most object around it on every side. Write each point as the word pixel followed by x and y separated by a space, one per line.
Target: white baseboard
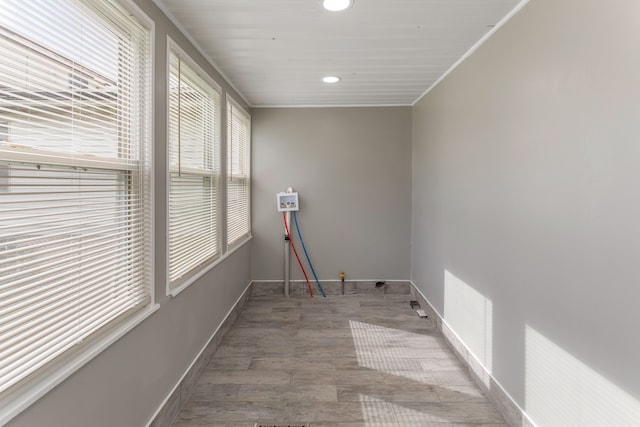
pixel 171 405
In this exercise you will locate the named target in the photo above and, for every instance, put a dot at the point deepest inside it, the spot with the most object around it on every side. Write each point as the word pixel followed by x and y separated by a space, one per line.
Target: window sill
pixel 238 244
pixel 182 286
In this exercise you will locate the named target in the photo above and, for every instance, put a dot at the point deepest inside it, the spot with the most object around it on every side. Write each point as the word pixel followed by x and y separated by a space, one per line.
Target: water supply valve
pixel 288 202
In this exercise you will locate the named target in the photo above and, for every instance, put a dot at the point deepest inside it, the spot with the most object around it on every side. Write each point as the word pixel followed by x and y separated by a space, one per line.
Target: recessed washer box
pixel 287 202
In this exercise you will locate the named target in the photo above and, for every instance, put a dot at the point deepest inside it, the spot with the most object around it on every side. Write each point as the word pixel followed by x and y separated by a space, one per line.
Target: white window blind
pixel 194 162
pixel 74 177
pixel 238 173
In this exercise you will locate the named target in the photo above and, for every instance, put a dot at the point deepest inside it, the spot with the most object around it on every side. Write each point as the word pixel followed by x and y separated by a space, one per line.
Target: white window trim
pixel 25 154
pixel 31 391
pixel 202 270
pixel 230 248
pixel 235 245
pixel 178 289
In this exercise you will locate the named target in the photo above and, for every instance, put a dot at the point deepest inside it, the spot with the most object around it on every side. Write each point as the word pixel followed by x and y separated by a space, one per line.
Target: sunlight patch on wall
pixel 470 315
pixel 561 391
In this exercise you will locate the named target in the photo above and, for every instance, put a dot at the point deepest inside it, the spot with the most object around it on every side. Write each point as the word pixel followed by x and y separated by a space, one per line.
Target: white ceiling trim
pixel 202 52
pixel 329 105
pixel 473 48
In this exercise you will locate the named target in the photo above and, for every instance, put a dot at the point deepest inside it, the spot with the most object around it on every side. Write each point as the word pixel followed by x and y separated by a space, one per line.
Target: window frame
pixel 22 395
pixel 198 271
pixel 231 103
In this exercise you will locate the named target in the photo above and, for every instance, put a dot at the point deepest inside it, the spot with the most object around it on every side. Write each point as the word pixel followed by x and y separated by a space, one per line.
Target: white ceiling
pixel 275 52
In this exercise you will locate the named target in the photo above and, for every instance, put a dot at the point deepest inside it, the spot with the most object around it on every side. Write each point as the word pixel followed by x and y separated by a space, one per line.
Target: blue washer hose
pixel 295 219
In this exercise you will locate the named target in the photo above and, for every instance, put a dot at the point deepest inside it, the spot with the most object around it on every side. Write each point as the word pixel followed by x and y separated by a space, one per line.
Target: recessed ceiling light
pixel 331 79
pixel 336 5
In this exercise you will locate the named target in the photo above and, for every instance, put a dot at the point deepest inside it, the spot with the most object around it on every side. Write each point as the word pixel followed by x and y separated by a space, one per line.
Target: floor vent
pixel 282 425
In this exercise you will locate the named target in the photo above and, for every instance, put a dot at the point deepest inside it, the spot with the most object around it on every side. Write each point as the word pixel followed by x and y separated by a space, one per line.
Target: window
pixel 75 178
pixel 194 164
pixel 238 176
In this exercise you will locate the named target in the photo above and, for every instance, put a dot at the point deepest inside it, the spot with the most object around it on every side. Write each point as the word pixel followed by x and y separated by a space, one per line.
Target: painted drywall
pixel 352 169
pixel 127 383
pixel 525 208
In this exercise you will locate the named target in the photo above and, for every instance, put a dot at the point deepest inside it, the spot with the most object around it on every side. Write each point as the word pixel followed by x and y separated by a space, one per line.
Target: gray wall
pixel 127 383
pixel 526 200
pixel 352 168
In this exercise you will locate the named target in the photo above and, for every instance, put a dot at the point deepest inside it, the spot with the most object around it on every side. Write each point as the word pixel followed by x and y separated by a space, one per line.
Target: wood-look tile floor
pixel 342 361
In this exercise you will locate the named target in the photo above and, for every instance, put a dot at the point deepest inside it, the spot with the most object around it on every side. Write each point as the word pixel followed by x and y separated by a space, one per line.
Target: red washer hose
pixel 286 227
